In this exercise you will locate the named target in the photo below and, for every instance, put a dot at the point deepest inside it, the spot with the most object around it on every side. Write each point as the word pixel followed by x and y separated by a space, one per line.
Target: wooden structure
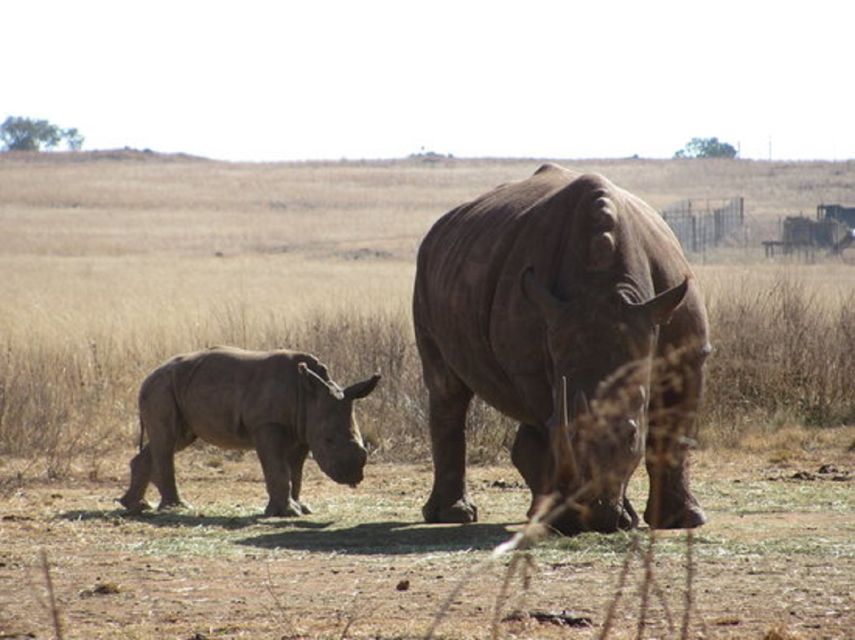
pixel 832 230
pixel 703 224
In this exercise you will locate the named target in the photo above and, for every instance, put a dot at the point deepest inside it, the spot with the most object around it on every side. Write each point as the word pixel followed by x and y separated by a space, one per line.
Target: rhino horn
pixel 361 389
pixel 565 467
pixel 538 294
pixel 580 404
pixel 659 308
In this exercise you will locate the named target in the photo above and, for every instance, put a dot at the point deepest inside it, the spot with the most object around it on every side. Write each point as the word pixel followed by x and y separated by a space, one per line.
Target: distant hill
pixel 126 153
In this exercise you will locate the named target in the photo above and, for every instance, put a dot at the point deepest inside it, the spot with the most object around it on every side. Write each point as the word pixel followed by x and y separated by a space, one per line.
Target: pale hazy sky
pixel 253 80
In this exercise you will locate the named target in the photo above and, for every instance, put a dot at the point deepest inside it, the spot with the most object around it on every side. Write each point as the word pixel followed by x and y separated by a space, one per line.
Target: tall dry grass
pixel 784 355
pixel 784 341
pixel 109 266
pixel 82 334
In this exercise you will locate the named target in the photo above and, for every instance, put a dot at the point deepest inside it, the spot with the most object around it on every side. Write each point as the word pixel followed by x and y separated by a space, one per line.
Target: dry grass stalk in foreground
pixel 522 563
pixel 612 398
pixel 50 605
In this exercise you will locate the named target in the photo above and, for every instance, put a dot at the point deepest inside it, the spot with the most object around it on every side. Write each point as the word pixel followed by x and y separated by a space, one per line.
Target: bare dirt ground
pixel 777 557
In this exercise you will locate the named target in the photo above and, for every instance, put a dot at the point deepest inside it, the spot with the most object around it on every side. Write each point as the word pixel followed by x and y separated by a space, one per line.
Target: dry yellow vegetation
pixel 112 261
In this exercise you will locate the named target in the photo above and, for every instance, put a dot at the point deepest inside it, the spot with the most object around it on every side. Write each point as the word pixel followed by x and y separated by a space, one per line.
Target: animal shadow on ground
pixel 385 538
pixel 188 518
pixel 300 534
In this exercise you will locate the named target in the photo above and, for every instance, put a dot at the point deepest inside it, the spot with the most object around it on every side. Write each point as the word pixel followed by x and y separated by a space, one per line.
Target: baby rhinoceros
pixel 281 403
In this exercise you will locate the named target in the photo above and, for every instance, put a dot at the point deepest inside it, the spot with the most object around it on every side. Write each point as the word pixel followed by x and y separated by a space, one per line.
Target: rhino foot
pixel 173 505
pixel 687 516
pixel 629 518
pixel 599 518
pixel 291 509
pixel 135 507
pixel 461 512
pixel 306 509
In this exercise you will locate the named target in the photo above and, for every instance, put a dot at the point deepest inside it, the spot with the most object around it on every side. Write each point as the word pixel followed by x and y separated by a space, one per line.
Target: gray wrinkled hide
pixel 239 399
pixel 608 286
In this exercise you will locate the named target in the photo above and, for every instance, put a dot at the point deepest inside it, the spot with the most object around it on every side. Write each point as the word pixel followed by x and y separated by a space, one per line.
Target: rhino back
pixel 469 266
pixel 224 394
pixel 468 295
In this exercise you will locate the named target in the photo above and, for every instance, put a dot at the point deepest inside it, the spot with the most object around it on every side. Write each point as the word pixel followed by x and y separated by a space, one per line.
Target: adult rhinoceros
pixel 563 276
pixel 281 403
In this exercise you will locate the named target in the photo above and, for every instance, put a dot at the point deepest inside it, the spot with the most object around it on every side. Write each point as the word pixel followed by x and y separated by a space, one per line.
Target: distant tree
pixel 26 134
pixel 73 139
pixel 706 148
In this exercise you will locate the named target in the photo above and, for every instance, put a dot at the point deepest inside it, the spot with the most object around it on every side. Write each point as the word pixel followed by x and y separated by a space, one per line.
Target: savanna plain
pixel 111 262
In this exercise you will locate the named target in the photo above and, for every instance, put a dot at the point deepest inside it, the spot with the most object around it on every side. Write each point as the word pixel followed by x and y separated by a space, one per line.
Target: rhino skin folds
pixel 281 403
pixel 563 276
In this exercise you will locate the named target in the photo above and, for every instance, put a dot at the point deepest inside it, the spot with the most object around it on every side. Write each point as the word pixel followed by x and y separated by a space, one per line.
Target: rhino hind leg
pixel 134 498
pixel 167 436
pixel 163 478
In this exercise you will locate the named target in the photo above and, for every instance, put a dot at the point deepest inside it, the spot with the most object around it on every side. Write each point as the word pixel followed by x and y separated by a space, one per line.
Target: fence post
pixel 694 233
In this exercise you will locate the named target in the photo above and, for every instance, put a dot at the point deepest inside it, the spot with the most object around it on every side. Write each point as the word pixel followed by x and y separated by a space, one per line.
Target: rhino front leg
pixel 296 458
pixel 448 501
pixel 530 455
pixel 671 504
pixel 134 498
pixel 270 445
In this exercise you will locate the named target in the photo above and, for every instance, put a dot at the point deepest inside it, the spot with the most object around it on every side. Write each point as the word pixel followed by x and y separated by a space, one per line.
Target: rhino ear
pixel 311 379
pixel 361 389
pixel 539 294
pixel 659 308
pixel 305 377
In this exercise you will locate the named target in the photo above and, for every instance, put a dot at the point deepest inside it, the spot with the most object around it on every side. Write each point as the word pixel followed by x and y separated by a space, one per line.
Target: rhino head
pixel 599 343
pixel 330 429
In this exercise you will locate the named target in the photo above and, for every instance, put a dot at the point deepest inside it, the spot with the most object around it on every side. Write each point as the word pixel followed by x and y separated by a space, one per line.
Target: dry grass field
pixel 112 261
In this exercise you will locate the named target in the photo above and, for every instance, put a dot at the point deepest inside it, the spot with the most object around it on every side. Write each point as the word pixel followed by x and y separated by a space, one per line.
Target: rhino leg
pixel 530 455
pixel 296 458
pixel 631 517
pixel 448 402
pixel 671 504
pixel 166 435
pixel 134 498
pixel 163 474
pixel 271 447
pixel 448 501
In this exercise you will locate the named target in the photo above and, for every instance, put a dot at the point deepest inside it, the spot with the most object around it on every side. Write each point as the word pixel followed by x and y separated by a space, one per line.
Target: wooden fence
pixel 703 224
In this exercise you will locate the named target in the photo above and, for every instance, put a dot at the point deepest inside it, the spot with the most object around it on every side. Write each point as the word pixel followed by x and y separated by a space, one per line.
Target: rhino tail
pixel 142 434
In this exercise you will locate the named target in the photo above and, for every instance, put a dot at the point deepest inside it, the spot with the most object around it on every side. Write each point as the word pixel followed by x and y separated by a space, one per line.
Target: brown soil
pixel 775 558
